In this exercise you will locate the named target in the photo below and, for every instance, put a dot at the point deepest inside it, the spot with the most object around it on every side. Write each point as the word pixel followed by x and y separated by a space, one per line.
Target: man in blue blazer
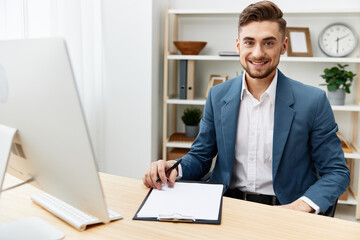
pixel 275 138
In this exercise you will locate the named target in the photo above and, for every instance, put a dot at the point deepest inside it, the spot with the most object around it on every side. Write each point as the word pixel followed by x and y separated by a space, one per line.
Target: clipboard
pixel 186 202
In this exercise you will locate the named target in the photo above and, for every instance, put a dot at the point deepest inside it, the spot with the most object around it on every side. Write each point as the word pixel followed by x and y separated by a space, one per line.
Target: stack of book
pixel 187 79
pixel 228 54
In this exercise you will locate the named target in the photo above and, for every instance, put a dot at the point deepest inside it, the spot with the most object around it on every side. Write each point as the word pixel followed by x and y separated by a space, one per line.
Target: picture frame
pixel 215 80
pixel 299 44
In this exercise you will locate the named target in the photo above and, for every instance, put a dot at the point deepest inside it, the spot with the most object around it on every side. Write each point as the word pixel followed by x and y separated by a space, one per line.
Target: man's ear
pixel 237 45
pixel 284 46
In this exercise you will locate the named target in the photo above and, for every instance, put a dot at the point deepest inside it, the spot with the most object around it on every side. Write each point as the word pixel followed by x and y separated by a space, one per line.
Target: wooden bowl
pixel 189 47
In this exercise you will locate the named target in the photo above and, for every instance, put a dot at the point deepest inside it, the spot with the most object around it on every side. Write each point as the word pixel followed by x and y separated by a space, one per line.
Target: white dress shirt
pixel 252 172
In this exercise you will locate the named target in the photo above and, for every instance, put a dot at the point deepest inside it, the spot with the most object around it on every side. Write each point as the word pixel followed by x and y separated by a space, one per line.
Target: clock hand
pixel 341 37
pixel 337 44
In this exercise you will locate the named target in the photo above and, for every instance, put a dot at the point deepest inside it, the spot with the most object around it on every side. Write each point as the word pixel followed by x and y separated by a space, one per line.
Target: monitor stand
pixel 32 227
pixel 7 135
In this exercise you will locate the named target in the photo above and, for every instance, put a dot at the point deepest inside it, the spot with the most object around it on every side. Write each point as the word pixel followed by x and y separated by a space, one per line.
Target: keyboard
pixel 68 213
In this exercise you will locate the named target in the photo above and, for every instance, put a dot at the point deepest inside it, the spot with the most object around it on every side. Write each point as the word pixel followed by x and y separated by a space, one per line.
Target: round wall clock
pixel 338 40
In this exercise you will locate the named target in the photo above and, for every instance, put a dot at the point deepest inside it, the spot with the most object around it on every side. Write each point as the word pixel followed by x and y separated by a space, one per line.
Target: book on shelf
pixel 190 79
pixel 228 54
pixel 187 79
pixel 183 79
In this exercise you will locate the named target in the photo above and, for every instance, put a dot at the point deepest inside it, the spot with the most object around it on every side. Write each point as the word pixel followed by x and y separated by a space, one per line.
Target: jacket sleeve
pixel 328 157
pixel 197 162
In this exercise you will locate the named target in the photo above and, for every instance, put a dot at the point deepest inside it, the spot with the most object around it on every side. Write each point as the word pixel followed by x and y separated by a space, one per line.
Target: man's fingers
pixel 173 174
pixel 154 176
pixel 145 181
pixel 161 171
pixel 158 170
pixel 172 177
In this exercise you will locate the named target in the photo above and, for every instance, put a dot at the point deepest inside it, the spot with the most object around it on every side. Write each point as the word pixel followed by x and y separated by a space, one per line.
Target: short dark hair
pixel 262 11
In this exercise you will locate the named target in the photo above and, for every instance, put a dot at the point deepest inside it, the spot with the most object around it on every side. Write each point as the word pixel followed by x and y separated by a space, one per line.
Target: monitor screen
pixel 39 98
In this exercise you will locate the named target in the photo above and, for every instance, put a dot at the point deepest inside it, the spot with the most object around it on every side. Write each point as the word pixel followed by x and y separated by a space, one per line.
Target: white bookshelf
pixel 283 58
pixel 350 201
pixel 185 102
pixel 345 108
pixel 178 144
pixel 315 12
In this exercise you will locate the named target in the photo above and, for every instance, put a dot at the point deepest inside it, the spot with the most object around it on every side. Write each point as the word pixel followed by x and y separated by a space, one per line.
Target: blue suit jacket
pixel 307 155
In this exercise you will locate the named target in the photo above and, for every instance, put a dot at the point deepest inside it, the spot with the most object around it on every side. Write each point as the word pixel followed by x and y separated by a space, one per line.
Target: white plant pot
pixel 191 131
pixel 337 97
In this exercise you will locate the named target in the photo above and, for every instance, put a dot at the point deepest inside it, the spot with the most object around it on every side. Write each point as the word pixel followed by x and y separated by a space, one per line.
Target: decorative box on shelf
pixel 345 145
pixel 177 153
pixel 180 137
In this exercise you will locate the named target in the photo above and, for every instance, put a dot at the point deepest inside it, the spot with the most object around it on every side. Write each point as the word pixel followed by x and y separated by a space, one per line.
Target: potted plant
pixel 338 81
pixel 191 119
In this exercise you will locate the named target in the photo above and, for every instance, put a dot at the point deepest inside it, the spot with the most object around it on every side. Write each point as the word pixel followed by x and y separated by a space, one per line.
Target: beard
pixel 253 73
pixel 259 75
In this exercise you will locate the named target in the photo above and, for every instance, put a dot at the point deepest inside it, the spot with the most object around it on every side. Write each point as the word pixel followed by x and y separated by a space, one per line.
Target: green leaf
pixel 342 66
pixel 347 89
pixel 330 74
pixel 339 81
pixel 350 74
pixel 331 80
pixel 332 87
pixel 334 69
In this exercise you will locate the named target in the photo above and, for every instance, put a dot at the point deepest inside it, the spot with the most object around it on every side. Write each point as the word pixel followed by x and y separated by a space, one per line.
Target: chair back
pixel 331 211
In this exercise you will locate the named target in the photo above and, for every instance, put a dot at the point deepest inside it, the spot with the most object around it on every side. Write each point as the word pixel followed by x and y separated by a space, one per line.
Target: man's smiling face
pixel 260 45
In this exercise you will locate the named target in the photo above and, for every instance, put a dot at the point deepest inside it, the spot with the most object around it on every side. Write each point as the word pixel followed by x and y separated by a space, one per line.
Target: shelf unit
pixel 283 59
pixel 172 101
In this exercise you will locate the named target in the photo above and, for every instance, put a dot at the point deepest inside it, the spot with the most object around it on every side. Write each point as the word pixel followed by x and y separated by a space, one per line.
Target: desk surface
pixel 240 219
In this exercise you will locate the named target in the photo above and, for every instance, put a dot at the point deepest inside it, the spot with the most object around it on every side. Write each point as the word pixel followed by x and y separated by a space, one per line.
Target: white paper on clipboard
pixel 197 200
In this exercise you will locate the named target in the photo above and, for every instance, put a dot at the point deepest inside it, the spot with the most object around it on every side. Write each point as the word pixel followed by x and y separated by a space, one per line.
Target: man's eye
pixel 248 43
pixel 269 43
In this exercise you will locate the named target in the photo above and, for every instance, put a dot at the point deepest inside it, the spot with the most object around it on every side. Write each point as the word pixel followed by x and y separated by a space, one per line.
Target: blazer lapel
pixel 284 115
pixel 229 118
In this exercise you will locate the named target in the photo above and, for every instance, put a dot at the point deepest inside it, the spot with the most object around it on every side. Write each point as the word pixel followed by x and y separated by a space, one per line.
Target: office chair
pixel 331 211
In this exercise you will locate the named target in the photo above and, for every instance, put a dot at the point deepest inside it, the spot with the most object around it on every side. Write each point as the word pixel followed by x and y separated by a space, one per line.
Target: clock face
pixel 337 40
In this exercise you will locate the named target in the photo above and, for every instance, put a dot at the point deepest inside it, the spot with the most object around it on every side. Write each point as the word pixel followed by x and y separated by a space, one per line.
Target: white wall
pixel 131 85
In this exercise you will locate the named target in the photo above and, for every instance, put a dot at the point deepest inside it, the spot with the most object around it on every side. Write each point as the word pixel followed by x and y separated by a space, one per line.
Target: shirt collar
pixel 271 90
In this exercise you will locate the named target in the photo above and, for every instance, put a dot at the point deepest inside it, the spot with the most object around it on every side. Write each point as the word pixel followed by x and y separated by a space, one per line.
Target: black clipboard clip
pixel 175 217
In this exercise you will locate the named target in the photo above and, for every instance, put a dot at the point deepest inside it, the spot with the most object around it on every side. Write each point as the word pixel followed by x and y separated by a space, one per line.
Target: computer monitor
pixel 39 98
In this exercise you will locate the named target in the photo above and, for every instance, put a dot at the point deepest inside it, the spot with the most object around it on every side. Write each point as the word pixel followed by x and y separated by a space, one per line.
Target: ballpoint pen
pixel 170 169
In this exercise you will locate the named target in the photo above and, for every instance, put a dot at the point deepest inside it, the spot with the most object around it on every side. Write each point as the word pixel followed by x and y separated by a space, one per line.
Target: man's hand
pixel 299 205
pixel 156 170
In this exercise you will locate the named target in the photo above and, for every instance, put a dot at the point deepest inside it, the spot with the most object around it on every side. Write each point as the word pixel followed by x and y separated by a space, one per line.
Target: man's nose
pixel 258 51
